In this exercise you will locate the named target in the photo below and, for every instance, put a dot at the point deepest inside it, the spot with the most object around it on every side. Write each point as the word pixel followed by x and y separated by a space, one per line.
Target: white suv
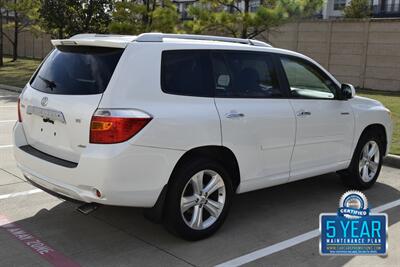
pixel 181 123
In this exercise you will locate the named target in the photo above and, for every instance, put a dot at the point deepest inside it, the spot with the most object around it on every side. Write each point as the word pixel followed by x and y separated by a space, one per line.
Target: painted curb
pixel 392 161
pixel 11 88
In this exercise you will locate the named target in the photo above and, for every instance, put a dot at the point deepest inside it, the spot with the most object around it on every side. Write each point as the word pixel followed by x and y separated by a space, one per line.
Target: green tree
pixel 228 17
pixel 25 15
pixel 63 18
pixel 358 9
pixel 1 32
pixel 135 17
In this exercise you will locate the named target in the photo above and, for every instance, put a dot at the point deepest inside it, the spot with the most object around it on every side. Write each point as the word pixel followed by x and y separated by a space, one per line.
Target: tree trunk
pixel 89 16
pixel 1 37
pixel 15 44
pixel 153 7
pixel 246 13
pixel 60 33
pixel 145 18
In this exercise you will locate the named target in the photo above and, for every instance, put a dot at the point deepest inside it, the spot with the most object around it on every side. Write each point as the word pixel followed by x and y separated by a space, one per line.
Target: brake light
pixel 110 126
pixel 19 110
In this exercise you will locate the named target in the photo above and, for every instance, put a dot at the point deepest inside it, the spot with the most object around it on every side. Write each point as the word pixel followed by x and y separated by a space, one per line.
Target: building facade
pixel 183 6
pixel 379 8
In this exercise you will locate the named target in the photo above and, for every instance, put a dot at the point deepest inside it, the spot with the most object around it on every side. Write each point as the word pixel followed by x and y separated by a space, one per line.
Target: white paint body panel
pixel 64 140
pixel 262 139
pixel 323 139
pixel 179 122
pixel 271 144
pixel 125 174
pixel 369 111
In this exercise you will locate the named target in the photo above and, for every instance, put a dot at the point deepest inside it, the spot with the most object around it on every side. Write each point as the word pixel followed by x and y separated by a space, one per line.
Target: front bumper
pixel 125 174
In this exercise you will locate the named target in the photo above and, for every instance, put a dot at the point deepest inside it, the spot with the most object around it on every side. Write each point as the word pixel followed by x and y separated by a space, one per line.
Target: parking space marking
pixel 386 206
pixel 5 146
pixel 9 96
pixel 7 121
pixel 24 193
pixel 261 253
pixel 36 245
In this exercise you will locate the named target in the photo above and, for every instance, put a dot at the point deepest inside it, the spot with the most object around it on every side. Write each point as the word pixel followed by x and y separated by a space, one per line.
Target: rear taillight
pixel 110 126
pixel 19 110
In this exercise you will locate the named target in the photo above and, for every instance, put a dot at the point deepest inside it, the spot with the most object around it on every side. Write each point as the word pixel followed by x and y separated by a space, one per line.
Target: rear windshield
pixel 77 70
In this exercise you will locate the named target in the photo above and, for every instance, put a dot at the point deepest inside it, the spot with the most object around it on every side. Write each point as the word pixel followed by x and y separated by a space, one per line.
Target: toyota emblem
pixel 44 101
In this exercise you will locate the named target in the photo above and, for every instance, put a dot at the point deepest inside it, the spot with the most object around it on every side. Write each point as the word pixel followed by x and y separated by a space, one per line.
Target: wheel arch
pixel 222 154
pixel 380 130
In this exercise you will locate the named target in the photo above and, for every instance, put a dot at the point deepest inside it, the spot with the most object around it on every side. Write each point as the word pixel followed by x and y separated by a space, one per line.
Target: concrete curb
pixel 392 161
pixel 11 88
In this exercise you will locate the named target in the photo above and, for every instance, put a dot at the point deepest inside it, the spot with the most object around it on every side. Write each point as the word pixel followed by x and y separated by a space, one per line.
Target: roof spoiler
pixel 93 39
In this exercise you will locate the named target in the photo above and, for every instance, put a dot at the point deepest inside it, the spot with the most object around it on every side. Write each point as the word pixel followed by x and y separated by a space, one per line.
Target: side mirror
pixel 347 91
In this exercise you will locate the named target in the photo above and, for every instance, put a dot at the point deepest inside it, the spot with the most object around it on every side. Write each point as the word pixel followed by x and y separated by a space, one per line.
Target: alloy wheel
pixel 369 161
pixel 203 199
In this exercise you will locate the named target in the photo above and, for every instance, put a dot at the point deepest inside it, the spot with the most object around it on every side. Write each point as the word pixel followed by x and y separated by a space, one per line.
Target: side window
pixel 186 72
pixel 306 80
pixel 244 75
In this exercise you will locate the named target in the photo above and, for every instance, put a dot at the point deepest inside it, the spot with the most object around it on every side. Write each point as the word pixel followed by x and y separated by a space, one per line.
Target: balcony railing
pixel 386 10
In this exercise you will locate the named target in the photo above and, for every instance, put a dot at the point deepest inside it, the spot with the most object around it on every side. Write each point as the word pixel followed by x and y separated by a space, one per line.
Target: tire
pixel 364 170
pixel 186 198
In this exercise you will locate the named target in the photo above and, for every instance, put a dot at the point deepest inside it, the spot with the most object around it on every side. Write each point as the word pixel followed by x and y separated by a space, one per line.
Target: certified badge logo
pixel 353 230
pixel 353 205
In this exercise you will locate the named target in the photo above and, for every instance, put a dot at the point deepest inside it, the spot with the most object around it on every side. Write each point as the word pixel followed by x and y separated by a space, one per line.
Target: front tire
pixel 198 199
pixel 366 162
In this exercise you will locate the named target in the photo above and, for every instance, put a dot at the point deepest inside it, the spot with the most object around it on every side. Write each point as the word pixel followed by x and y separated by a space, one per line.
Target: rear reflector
pixel 19 110
pixel 110 126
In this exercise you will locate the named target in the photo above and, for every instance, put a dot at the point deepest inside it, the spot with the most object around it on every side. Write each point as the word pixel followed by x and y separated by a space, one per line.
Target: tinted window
pixel 77 70
pixel 306 80
pixel 186 72
pixel 244 75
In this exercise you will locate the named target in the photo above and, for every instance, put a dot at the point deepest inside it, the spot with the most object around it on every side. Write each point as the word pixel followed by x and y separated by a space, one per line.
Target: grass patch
pixel 19 72
pixel 391 100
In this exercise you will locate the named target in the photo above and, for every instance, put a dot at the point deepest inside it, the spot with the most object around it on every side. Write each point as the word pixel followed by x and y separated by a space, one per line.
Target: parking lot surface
pixel 37 229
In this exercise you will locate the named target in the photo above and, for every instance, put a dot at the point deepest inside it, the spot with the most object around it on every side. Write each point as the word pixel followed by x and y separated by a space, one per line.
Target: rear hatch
pixel 58 103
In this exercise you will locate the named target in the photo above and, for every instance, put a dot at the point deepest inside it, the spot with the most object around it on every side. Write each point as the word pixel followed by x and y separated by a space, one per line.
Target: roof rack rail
pixel 158 37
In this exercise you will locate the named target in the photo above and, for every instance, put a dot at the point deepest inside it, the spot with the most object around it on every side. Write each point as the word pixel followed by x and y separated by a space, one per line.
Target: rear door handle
pixel 303 113
pixel 233 115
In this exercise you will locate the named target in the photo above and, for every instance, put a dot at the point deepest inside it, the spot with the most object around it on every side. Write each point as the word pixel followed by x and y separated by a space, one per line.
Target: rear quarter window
pixel 77 70
pixel 186 72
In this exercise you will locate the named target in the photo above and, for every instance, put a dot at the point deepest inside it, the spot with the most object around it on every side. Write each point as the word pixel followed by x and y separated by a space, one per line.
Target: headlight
pixel 390 114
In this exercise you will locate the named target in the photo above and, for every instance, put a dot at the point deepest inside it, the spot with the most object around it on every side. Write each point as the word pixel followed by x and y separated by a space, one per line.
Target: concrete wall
pixel 365 53
pixel 29 45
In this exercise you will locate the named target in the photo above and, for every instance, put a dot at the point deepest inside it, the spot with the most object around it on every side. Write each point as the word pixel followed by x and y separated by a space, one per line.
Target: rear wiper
pixel 49 84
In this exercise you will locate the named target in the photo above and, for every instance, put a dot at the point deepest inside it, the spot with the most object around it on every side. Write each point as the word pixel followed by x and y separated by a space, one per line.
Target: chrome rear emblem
pixel 44 101
pixel 47 114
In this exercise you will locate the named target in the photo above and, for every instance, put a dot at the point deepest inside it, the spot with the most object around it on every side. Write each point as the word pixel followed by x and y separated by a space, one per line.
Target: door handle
pixel 303 113
pixel 233 115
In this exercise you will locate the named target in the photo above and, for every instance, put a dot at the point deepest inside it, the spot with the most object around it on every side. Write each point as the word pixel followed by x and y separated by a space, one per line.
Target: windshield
pixel 77 70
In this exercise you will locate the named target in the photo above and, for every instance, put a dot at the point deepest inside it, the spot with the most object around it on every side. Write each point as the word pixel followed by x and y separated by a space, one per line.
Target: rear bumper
pixel 125 174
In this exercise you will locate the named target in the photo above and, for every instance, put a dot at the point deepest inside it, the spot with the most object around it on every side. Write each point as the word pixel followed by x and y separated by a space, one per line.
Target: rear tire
pixel 198 199
pixel 366 162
